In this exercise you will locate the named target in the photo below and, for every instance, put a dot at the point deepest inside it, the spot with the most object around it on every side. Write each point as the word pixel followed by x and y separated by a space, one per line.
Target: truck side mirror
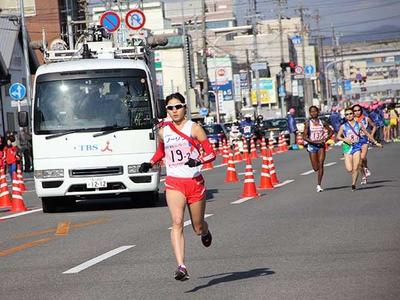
pixel 161 110
pixel 23 119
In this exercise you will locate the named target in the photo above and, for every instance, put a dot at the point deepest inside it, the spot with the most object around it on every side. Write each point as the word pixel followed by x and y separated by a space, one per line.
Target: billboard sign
pixel 267 88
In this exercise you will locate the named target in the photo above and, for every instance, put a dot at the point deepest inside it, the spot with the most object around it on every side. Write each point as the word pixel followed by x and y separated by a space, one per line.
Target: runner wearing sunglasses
pixel 367 123
pixel 180 143
pixel 349 133
pixel 315 135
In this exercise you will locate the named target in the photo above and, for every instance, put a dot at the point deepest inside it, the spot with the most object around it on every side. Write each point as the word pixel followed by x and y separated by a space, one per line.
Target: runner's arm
pixel 370 137
pixel 330 131
pixel 305 133
pixel 199 134
pixel 160 152
pixel 341 137
pixel 373 125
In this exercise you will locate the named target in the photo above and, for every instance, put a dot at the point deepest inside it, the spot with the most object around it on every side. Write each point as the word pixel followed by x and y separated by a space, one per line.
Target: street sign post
pixel 135 19
pixel 309 70
pixel 296 40
pixel 110 21
pixel 258 66
pixel 17 92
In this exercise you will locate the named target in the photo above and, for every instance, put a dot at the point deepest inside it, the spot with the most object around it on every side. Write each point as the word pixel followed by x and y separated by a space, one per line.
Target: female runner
pixel 349 133
pixel 366 122
pixel 314 134
pixel 184 184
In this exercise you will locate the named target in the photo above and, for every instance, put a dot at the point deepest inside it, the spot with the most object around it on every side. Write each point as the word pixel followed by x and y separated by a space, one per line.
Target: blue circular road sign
pixel 17 91
pixel 203 111
pixel 309 69
pixel 110 21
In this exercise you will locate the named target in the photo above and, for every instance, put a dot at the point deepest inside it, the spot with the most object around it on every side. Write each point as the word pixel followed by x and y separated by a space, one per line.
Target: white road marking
pixel 242 200
pixel 21 214
pixel 188 222
pixel 312 171
pixel 284 183
pixel 307 173
pixel 97 259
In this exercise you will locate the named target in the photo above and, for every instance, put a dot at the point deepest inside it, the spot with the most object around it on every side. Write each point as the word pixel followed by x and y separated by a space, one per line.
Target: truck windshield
pixel 94 104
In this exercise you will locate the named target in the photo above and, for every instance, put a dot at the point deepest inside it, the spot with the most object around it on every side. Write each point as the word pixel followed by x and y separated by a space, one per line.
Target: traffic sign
pixel 298 70
pixel 296 40
pixel 203 111
pixel 17 91
pixel 110 20
pixel 309 69
pixel 135 19
pixel 258 66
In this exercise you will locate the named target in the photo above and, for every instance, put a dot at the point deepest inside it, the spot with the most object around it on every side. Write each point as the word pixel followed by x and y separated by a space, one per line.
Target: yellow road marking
pixel 25 246
pixel 63 228
pixel 53 230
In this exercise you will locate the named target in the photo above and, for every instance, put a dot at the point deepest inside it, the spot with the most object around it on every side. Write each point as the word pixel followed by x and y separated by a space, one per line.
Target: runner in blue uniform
pixel 349 133
pixel 316 133
pixel 367 123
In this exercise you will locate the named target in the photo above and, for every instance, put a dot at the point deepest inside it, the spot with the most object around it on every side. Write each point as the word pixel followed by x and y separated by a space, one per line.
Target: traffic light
pixel 291 64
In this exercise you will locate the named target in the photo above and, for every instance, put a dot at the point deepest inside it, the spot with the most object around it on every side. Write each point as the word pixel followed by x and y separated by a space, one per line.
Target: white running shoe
pixel 364 180
pixel 319 189
pixel 367 172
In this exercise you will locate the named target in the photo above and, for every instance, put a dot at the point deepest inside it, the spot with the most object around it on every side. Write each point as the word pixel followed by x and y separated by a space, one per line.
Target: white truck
pixel 92 125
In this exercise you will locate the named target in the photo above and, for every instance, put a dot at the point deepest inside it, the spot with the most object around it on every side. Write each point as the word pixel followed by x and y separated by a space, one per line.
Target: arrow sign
pixel 309 69
pixel 135 19
pixel 17 91
pixel 110 21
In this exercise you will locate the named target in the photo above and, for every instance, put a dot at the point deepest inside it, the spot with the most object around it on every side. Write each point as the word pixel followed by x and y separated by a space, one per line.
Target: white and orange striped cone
pixel 265 179
pixel 5 200
pixel 21 179
pixel 231 175
pixel 237 156
pixel 207 166
pixel 245 149
pixel 253 150
pixel 271 145
pixel 264 149
pixel 249 188
pixel 285 145
pixel 225 154
pixel 272 171
pixel 17 202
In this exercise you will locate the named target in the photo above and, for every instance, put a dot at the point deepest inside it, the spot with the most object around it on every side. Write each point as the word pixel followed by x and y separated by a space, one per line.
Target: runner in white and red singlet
pixel 185 146
pixel 316 137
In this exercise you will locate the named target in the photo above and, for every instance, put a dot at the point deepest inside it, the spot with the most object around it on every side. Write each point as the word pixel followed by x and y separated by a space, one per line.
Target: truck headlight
pixel 49 173
pixel 133 169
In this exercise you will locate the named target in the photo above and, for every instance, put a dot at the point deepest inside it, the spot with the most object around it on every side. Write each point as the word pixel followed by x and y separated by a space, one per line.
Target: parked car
pixel 276 126
pixel 215 133
pixel 300 123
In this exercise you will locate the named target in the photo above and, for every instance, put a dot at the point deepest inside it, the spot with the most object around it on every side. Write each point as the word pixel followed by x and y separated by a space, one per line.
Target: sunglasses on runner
pixel 176 106
pixel 348 114
pixel 356 110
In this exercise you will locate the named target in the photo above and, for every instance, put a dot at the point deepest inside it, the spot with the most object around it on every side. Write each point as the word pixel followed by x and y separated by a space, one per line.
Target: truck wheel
pixel 49 204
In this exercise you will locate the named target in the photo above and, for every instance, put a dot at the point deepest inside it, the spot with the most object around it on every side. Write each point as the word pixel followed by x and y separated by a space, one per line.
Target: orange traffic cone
pixel 265 179
pixel 271 144
pixel 237 156
pixel 5 200
pixel 231 175
pixel 272 171
pixel 21 179
pixel 285 145
pixel 208 166
pixel 249 188
pixel 264 150
pixel 253 151
pixel 245 149
pixel 17 204
pixel 225 154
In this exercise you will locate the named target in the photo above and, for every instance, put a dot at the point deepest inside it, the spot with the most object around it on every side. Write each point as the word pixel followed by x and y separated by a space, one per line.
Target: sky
pixel 350 17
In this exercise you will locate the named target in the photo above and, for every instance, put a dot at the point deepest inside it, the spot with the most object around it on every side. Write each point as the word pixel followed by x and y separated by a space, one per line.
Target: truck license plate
pixel 96 183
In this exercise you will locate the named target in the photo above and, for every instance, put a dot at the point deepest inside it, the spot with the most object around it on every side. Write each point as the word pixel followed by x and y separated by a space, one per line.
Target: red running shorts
pixel 192 188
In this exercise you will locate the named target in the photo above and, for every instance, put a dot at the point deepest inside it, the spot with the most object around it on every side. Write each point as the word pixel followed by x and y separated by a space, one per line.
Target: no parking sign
pixel 110 21
pixel 135 19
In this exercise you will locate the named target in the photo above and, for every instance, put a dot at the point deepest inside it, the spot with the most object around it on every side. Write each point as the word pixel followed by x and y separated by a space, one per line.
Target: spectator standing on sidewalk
pixel 25 143
pixel 292 126
pixel 11 155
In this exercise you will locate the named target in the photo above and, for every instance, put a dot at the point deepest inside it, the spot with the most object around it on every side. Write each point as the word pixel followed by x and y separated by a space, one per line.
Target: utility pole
pixel 334 50
pixel 248 70
pixel 26 55
pixel 320 52
pixel 186 64
pixel 255 52
pixel 282 73
pixel 307 101
pixel 204 66
pixel 69 26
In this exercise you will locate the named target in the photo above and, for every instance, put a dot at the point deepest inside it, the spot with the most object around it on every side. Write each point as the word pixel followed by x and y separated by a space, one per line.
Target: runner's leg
pixel 321 160
pixel 356 167
pixel 176 204
pixel 348 162
pixel 197 210
pixel 363 157
pixel 315 162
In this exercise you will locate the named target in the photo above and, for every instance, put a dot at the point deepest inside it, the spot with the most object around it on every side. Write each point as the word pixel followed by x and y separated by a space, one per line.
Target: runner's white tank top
pixel 317 131
pixel 177 152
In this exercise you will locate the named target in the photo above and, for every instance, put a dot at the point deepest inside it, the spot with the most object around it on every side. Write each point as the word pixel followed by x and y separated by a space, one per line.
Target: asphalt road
pixel 289 243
